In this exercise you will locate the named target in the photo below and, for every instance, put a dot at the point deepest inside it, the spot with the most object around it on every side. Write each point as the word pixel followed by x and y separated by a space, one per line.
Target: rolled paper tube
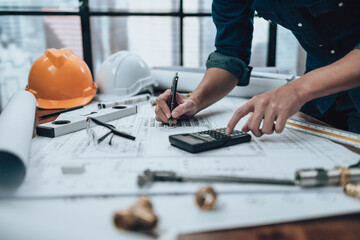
pixel 16 131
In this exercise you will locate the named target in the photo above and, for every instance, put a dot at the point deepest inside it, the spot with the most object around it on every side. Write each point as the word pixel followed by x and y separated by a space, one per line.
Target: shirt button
pixel 321 45
pixel 332 51
pixel 300 24
pixel 341 4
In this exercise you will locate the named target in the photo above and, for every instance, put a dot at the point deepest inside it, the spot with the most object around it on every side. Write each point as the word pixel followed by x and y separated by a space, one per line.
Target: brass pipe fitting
pixel 352 189
pixel 139 217
pixel 206 198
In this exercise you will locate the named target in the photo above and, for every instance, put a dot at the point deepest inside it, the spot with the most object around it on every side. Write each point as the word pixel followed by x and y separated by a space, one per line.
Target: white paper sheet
pixel 115 173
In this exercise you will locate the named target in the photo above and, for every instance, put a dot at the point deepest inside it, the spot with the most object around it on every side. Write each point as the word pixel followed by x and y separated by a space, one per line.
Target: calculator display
pixel 190 139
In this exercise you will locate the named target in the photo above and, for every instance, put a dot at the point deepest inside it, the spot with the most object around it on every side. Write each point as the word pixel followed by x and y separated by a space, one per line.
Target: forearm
pixel 216 84
pixel 337 77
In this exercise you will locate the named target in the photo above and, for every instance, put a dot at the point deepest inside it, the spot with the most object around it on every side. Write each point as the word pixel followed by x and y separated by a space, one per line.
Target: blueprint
pixel 114 170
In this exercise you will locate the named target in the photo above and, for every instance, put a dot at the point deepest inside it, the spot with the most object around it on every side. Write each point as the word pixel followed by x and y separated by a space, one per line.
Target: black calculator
pixel 206 140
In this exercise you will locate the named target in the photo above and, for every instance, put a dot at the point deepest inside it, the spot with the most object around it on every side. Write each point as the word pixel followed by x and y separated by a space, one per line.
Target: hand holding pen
pixel 184 107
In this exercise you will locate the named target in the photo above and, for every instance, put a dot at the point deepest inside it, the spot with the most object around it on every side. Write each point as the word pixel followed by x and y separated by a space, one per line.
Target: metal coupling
pixel 206 198
pixel 352 189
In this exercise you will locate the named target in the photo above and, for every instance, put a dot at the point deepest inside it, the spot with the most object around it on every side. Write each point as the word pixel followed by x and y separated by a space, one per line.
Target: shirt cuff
pixel 232 64
pixel 357 46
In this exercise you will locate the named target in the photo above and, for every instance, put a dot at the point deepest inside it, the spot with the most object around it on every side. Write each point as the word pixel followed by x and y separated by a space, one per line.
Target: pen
pixel 59 112
pixel 131 100
pixel 173 96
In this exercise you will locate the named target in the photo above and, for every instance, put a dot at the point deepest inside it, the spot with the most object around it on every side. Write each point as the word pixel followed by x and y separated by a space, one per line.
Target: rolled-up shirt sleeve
pixel 234 23
pixel 232 64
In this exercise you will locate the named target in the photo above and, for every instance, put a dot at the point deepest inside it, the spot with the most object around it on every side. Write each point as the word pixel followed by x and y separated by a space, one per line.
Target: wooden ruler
pixel 336 135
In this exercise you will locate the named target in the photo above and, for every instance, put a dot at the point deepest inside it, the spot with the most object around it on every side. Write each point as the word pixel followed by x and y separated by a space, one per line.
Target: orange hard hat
pixel 60 79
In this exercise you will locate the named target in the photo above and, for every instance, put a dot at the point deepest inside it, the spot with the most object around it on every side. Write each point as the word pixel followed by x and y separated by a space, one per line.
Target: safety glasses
pixel 100 133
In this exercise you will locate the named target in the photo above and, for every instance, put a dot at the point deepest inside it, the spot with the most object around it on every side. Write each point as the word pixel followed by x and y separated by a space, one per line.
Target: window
pixel 289 53
pixel 154 38
pixel 163 32
pixel 39 5
pixel 25 38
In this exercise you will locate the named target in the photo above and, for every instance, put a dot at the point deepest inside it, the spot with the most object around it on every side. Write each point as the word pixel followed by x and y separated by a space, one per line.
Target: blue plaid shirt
pixel 326 29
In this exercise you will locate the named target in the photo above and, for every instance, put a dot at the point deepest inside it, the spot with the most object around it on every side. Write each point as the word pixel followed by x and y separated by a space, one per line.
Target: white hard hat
pixel 124 74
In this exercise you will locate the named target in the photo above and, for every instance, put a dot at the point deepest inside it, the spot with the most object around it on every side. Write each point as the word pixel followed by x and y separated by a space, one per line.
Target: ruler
pixel 76 123
pixel 336 135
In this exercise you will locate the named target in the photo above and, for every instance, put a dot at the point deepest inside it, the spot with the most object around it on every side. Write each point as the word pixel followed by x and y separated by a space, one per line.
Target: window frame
pixel 85 14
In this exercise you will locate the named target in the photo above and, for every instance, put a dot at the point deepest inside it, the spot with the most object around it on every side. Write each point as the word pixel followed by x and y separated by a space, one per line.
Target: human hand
pixel 186 107
pixel 273 106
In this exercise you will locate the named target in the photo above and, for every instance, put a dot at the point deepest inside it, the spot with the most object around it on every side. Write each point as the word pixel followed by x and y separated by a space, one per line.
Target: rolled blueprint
pixel 16 130
pixel 261 80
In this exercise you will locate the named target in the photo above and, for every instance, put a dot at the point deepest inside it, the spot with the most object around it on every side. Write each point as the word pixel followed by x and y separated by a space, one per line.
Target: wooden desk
pixel 339 227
